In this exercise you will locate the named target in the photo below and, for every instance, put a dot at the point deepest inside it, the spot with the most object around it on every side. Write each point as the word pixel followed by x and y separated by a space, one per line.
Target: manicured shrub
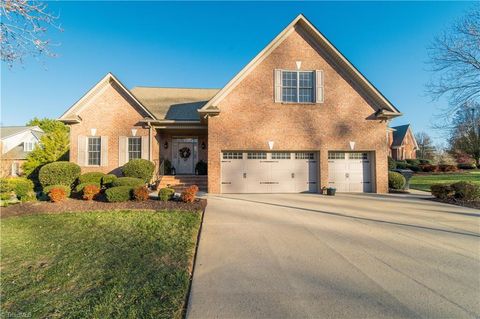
pixel 466 191
pixel 396 180
pixel 391 164
pixel 466 166
pixel 165 194
pixel 442 191
pixel 92 177
pixel 5 185
pixel 90 191
pixel 29 197
pixel 59 173
pixel 46 190
pixel 188 195
pixel 80 187
pixel 139 168
pixel 118 194
pixel 108 179
pixel 401 164
pixel 57 194
pixel 22 187
pixel 428 168
pixel 128 181
pixel 141 193
pixel 412 161
pixel 447 168
pixel 201 168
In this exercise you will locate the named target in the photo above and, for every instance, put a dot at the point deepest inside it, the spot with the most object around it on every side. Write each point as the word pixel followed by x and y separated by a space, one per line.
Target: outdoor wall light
pixel 165 145
pixel 204 145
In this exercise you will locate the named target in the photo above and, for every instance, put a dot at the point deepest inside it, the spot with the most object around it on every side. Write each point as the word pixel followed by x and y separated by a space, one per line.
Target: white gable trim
pixel 274 44
pixel 97 89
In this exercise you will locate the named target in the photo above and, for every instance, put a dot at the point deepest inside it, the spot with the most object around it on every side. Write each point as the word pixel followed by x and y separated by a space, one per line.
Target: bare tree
pixel 23 25
pixel 426 150
pixel 455 62
pixel 465 135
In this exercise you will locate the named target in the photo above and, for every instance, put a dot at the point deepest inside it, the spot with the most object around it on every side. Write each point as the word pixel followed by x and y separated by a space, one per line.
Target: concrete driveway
pixel 348 256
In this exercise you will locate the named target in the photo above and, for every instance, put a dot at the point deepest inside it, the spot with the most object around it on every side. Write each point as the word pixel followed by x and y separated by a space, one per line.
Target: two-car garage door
pixel 269 172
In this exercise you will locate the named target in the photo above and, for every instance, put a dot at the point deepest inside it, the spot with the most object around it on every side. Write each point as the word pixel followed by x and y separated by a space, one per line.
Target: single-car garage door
pixel 350 171
pixel 269 172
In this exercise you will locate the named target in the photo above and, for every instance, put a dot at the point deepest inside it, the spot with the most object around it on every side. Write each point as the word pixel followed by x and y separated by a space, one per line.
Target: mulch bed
pixel 453 201
pixel 78 205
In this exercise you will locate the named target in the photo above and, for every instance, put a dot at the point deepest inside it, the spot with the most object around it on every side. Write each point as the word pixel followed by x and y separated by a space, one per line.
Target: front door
pixel 184 155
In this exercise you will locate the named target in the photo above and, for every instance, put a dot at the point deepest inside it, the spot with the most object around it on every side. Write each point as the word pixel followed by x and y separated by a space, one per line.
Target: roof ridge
pixel 173 87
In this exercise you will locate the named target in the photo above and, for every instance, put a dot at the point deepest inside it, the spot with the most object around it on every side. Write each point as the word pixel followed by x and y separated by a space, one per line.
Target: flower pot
pixel 331 191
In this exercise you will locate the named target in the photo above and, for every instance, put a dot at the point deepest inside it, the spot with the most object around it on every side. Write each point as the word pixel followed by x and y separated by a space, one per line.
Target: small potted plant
pixel 331 191
pixel 324 190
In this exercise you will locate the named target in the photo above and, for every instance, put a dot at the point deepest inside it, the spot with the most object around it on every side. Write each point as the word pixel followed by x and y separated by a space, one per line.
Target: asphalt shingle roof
pixel 6 131
pixel 399 134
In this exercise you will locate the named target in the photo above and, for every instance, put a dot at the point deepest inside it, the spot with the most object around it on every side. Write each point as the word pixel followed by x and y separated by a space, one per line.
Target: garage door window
pixel 279 155
pixel 336 155
pixel 304 156
pixel 257 155
pixel 362 156
pixel 232 155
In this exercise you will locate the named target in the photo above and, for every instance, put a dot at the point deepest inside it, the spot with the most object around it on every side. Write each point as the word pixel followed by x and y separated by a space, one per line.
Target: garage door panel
pixel 350 171
pixel 232 180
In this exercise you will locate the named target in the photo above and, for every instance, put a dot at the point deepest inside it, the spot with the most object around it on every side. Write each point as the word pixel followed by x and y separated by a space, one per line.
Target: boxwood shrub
pixel 165 194
pixel 91 177
pixel 59 173
pixel 67 189
pixel 442 191
pixel 22 187
pixel 396 180
pixel 118 194
pixel 139 168
pixel 128 181
pixel 466 191
pixel 108 179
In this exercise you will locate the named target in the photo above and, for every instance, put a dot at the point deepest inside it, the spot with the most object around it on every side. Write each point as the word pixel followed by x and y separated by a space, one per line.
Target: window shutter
pixel 278 85
pixel 145 147
pixel 122 150
pixel 319 86
pixel 81 150
pixel 104 151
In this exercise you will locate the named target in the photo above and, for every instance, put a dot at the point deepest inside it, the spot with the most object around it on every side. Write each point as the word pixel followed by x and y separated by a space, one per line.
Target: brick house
pixel 297 118
pixel 402 142
pixel 16 142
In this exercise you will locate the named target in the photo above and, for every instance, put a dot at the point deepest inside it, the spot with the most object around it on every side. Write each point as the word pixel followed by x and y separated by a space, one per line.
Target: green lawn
pixel 423 181
pixel 97 265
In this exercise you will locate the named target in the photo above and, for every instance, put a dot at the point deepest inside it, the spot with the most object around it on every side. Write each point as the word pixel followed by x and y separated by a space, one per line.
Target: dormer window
pixel 28 146
pixel 298 86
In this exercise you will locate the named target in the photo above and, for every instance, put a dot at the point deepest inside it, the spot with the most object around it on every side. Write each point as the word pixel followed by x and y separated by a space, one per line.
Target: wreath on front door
pixel 184 153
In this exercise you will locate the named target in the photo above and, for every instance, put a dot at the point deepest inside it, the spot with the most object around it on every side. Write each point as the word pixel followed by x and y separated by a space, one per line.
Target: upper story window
pixel 28 146
pixel 134 148
pixel 297 86
pixel 94 149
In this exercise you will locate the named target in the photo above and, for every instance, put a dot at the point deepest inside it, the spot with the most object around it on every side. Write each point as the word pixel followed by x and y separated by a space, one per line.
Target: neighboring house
pixel 16 143
pixel 297 118
pixel 402 143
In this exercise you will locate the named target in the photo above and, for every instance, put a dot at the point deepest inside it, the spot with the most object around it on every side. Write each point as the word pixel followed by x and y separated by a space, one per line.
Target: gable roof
pixel 399 134
pixel 7 131
pixel 71 115
pixel 179 104
pixel 302 21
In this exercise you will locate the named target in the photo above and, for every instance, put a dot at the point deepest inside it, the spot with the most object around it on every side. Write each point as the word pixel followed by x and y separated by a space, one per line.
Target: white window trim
pixel 313 72
pixel 87 152
pixel 128 150
pixel 27 149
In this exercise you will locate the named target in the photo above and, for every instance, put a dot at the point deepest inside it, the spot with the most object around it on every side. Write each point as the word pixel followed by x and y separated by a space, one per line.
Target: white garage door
pixel 269 172
pixel 350 171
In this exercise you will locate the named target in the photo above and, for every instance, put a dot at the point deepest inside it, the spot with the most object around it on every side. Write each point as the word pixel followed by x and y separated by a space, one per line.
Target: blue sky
pixel 204 44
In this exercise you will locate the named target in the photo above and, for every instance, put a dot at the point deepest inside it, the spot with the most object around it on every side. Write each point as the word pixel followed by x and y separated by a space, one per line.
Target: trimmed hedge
pixel 59 173
pixel 414 162
pixel 46 190
pixel 165 194
pixel 108 179
pixel 442 191
pixel 92 177
pixel 79 188
pixel 118 194
pixel 139 168
pixel 396 180
pixel 401 164
pixel 132 182
pixel 22 187
pixel 466 190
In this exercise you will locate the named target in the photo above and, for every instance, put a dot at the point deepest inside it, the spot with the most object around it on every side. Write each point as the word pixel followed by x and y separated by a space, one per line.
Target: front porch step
pixel 181 182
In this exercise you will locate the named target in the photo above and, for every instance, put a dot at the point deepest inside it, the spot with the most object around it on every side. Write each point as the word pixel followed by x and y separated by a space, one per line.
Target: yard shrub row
pixel 139 168
pixel 118 194
pixel 21 187
pixel 128 181
pixel 465 191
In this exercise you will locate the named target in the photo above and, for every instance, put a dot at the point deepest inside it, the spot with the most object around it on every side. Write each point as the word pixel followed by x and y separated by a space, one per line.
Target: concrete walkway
pixel 348 256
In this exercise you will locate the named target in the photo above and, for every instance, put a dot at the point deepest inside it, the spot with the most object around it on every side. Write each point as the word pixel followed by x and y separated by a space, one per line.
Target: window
pixel 297 86
pixel 257 155
pixel 336 155
pixel 280 155
pixel 304 156
pixel 28 146
pixel 94 144
pixel 362 156
pixel 134 148
pixel 232 155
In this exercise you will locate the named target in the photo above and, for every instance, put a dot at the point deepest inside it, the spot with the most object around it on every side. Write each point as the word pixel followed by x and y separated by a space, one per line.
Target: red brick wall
pixel 249 117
